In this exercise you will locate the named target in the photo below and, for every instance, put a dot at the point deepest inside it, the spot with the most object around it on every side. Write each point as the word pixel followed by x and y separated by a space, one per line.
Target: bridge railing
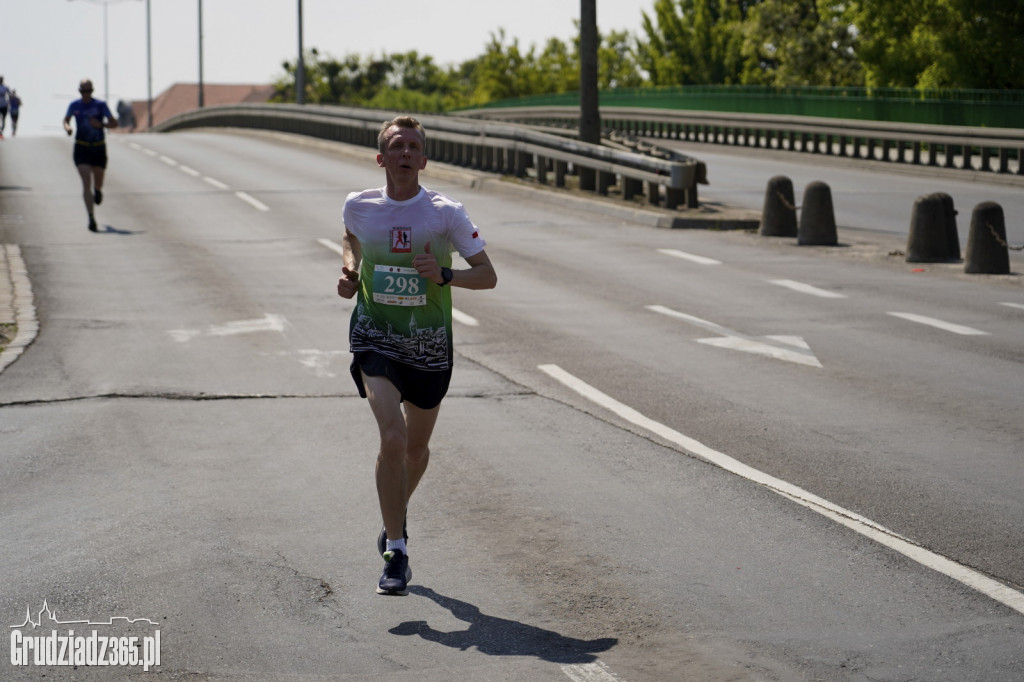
pixel 995 150
pixel 489 146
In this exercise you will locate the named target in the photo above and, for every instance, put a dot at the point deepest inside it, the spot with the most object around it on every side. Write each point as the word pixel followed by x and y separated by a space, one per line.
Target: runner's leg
pixel 419 427
pixel 85 172
pixel 98 173
pixel 386 404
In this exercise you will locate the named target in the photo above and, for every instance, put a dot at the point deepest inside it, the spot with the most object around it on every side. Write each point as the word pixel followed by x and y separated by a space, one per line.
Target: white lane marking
pixel 148 152
pixel 465 319
pixel 866 527
pixel 252 201
pixel 794 348
pixel 333 246
pixel 189 171
pixel 700 260
pixel 1013 305
pixel 590 672
pixel 940 324
pixel 457 314
pixel 168 160
pixel 216 183
pixel 806 288
pixel 268 323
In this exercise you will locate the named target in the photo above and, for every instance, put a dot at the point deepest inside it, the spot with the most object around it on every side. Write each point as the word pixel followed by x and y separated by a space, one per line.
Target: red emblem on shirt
pixel 401 240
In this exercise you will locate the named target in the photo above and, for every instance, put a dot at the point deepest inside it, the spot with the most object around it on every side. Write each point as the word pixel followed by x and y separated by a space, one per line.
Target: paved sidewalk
pixel 18 323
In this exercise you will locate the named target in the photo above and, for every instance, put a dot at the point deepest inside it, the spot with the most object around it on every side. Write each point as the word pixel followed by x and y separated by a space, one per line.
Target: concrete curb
pixel 17 305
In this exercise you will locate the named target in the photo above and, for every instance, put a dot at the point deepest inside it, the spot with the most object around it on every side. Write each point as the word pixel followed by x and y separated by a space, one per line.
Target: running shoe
pixel 397 574
pixel 92 224
pixel 97 197
pixel 382 537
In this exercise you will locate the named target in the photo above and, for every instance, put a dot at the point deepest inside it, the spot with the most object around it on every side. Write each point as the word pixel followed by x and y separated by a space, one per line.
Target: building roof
pixel 182 97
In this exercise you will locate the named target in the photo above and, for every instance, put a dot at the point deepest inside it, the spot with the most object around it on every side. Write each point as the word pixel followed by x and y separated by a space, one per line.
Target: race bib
pixel 393 285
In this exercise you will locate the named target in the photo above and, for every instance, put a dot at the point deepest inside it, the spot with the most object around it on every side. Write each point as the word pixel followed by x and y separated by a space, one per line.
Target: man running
pixel 397 255
pixel 90 155
pixel 5 93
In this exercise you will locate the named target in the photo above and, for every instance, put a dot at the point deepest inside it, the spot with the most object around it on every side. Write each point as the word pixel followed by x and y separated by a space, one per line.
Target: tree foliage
pixel 878 43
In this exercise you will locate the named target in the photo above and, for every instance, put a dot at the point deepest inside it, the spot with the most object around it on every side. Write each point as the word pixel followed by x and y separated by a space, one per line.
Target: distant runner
pixel 90 156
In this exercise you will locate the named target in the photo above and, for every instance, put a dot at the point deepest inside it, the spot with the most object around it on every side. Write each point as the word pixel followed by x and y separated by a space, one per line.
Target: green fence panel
pixel 979 108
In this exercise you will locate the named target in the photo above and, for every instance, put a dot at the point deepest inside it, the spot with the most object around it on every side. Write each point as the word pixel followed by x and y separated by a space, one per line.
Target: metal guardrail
pixel 482 145
pixel 995 150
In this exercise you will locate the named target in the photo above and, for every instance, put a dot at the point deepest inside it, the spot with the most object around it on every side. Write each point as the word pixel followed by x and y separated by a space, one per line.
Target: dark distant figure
pixel 91 117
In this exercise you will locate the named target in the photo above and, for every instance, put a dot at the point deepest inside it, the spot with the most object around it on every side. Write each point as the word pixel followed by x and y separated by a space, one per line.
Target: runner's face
pixel 404 156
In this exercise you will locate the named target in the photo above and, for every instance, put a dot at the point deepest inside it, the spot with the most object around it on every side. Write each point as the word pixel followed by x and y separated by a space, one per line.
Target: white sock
pixel 397 544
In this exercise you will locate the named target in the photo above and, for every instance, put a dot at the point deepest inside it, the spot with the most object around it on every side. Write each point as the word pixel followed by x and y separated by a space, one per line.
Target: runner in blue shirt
pixel 4 94
pixel 91 117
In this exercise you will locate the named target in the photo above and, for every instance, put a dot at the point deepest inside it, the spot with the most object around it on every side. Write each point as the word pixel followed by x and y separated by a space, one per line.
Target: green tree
pixel 941 43
pixel 693 41
pixel 800 42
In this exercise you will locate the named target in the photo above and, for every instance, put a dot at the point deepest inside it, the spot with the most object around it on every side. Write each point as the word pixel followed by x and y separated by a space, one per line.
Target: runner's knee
pixel 418 454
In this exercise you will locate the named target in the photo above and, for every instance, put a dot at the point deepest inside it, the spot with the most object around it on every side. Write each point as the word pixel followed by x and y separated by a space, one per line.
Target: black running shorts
pixel 424 389
pixel 91 155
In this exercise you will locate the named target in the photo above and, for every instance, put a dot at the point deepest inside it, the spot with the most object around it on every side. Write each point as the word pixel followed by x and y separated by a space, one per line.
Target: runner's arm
pixel 480 275
pixel 352 256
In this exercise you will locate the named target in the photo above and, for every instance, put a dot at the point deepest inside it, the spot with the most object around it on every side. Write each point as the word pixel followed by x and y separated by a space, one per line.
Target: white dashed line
pixel 252 201
pixel 333 246
pixel 700 260
pixel 866 527
pixel 1013 305
pixel 465 319
pixel 940 324
pixel 806 288
pixel 168 160
pixel 216 183
pixel 189 171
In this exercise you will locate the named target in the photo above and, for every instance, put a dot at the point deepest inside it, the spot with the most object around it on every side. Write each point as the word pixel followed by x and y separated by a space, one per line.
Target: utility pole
pixel 590 115
pixel 149 68
pixel 300 67
pixel 200 54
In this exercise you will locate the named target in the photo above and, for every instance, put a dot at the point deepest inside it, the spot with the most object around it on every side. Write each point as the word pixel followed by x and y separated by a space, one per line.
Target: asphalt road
pixel 665 454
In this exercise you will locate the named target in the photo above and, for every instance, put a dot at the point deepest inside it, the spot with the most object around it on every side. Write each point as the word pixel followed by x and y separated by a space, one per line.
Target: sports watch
pixel 446 276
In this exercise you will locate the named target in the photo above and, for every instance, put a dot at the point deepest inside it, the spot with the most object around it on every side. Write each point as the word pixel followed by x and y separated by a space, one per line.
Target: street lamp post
pixel 300 67
pixel 200 54
pixel 106 49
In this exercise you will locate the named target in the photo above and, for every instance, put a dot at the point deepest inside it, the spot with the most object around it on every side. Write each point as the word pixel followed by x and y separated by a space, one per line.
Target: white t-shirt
pixel 398 313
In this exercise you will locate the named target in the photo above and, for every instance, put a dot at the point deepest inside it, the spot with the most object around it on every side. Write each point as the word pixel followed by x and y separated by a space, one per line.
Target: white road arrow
pixel 789 348
pixel 269 323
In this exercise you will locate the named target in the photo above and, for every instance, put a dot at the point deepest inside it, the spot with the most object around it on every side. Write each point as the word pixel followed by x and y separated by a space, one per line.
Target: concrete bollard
pixel 933 237
pixel 987 250
pixel 817 217
pixel 778 219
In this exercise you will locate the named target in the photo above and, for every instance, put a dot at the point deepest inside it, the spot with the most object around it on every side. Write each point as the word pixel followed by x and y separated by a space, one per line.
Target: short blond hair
pixel 398 122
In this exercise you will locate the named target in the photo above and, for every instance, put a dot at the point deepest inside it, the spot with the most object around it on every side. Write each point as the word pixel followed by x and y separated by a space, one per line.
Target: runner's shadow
pixel 500 636
pixel 110 229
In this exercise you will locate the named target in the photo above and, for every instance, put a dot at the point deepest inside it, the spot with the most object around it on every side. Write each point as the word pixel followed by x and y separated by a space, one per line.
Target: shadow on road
pixel 110 229
pixel 500 636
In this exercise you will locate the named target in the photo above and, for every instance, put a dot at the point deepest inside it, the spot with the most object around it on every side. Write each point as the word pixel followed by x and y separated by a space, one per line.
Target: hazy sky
pixel 47 46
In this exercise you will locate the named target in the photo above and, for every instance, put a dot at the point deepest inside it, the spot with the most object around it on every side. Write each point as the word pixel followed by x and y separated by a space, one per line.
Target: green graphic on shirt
pixel 401 314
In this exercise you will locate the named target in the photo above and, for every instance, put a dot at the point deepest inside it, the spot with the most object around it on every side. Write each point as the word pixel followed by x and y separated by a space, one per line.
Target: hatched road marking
pixel 940 324
pixel 789 348
pixel 866 527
